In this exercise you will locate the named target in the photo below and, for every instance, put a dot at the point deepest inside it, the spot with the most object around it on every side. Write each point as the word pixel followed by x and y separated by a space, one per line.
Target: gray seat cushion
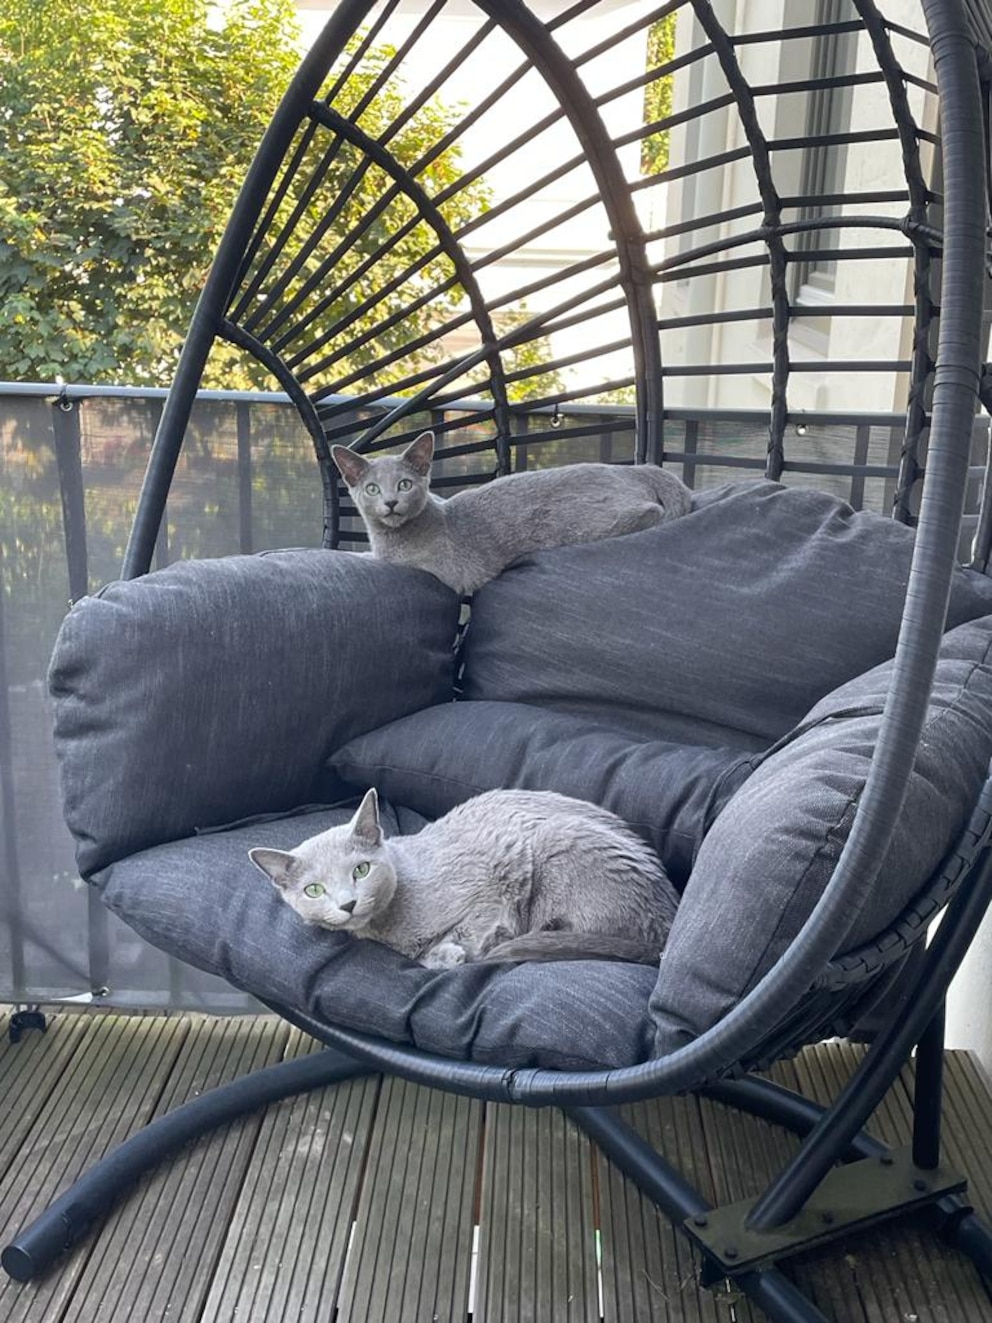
pixel 759 871
pixel 720 628
pixel 435 759
pixel 771 853
pixel 215 689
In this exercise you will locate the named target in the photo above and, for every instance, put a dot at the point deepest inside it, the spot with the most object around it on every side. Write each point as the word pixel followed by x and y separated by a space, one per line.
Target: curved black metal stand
pixel 82 1208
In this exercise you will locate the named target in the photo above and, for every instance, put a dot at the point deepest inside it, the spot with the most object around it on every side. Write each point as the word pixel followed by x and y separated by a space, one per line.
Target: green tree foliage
pixel 125 128
pixel 658 94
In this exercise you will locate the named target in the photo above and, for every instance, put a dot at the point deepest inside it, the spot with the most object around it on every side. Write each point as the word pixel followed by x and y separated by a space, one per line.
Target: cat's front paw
pixel 445 956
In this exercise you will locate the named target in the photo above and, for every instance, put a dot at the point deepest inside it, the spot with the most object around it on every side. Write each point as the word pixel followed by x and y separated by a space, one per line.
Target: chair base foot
pixel 883 1183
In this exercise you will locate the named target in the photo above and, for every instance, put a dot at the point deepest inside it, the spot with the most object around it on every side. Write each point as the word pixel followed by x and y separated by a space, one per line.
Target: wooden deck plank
pixel 287 1237
pixel 967 1129
pixel 870 1284
pixel 254 1223
pixel 744 1154
pixel 30 1071
pixel 412 1247
pixel 537 1243
pixel 899 1269
pixel 110 1087
pixel 649 1271
pixel 157 1254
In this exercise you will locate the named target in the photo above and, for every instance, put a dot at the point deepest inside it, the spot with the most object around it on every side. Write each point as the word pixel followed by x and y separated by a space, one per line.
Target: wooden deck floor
pixel 379 1200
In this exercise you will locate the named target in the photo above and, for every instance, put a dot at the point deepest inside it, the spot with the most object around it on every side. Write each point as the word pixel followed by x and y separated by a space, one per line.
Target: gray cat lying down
pixel 473 536
pixel 508 875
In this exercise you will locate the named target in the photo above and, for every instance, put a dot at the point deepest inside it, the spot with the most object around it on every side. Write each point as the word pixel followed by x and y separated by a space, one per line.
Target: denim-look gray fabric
pixel 772 851
pixel 203 901
pixel 721 628
pixel 437 758
pixel 215 689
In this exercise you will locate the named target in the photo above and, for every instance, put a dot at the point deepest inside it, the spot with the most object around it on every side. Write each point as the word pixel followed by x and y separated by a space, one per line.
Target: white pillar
pixel 969 999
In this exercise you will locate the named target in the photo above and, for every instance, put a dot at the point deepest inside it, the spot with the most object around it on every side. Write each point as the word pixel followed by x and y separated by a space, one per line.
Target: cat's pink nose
pixel 347 905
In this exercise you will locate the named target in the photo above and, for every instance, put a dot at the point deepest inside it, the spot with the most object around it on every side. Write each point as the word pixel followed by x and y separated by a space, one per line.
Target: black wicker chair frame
pixel 268 291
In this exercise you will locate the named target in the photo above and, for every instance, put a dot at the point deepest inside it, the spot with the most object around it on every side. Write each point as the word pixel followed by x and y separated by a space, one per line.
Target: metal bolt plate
pixel 856 1195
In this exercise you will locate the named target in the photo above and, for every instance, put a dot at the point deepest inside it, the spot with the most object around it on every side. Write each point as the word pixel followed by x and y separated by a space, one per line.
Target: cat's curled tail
pixel 574 946
pixel 670 492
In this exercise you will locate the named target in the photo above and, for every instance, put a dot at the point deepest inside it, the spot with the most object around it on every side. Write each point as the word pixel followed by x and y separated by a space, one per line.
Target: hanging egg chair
pixel 477 228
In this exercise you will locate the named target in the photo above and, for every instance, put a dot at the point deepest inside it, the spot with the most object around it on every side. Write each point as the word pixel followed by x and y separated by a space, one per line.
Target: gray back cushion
pixel 772 851
pixel 435 759
pixel 720 628
pixel 215 689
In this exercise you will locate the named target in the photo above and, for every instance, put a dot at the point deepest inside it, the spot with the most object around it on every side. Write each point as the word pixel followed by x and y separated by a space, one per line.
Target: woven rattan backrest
pixel 701 233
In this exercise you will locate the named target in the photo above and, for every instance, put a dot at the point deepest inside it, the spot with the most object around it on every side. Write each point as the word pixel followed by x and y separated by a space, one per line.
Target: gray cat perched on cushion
pixel 470 538
pixel 507 875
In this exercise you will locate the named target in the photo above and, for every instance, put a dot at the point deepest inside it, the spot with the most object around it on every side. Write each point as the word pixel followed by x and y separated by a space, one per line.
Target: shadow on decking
pixel 383 1200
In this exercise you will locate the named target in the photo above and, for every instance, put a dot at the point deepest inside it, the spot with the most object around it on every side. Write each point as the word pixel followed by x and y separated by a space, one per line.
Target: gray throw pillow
pixel 437 758
pixel 215 689
pixel 772 851
pixel 720 628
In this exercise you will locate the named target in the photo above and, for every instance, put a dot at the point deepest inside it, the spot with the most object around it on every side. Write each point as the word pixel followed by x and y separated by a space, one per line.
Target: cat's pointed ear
pixel 419 453
pixel 352 467
pixel 277 865
pixel 365 823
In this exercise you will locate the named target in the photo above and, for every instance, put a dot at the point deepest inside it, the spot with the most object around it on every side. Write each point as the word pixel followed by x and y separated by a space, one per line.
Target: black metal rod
pixel 243 423
pixel 781 1106
pixel 68 460
pixel 664 1186
pixel 966 1231
pixel 866 1088
pixel 218 287
pixel 928 1093
pixel 10 868
pixel 91 1198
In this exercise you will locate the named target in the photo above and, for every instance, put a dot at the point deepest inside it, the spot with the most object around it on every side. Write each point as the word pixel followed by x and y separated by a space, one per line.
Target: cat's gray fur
pixel 473 536
pixel 507 875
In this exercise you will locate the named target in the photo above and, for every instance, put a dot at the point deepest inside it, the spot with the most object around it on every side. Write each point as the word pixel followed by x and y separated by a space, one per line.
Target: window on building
pixel 828 111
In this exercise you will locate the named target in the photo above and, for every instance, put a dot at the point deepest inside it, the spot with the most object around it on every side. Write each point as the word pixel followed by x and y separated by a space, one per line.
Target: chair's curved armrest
pixel 215 689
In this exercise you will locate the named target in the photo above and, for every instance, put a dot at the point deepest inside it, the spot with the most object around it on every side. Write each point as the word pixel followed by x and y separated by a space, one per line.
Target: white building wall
pixel 868 167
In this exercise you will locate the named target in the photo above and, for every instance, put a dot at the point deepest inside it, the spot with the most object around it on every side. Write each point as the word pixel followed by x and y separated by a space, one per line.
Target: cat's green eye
pixel 404 485
pixel 360 870
pixel 372 488
pixel 314 890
